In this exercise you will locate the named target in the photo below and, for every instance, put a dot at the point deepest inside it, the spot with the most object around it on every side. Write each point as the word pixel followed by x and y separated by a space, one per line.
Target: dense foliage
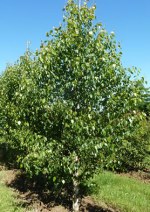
pixel 145 103
pixel 71 108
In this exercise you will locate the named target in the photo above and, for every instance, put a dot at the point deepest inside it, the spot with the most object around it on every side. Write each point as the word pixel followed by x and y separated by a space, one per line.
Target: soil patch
pixel 143 176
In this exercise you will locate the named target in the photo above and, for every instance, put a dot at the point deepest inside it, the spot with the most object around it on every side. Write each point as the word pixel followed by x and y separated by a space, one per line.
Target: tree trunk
pixel 76 203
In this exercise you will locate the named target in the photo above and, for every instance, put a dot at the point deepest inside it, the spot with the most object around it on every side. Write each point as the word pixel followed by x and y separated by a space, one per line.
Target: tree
pixel 91 99
pixel 74 102
pixel 145 103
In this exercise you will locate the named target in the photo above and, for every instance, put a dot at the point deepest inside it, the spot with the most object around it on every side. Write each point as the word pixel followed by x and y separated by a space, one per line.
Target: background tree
pixel 145 103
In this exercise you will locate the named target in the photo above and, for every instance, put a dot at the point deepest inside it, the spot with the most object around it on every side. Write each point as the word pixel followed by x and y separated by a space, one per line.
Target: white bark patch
pixel 76 205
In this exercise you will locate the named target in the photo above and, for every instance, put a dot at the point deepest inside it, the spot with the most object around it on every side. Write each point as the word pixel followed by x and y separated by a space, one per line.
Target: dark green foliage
pixel 145 103
pixel 130 154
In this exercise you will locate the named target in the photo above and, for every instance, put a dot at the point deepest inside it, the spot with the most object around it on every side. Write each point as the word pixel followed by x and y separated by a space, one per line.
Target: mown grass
pixel 123 193
pixel 8 198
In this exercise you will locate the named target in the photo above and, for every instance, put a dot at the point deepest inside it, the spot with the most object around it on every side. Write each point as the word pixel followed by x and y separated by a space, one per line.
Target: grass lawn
pixel 8 198
pixel 122 192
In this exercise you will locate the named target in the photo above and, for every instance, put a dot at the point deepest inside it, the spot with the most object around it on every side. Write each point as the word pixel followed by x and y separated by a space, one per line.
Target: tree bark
pixel 76 203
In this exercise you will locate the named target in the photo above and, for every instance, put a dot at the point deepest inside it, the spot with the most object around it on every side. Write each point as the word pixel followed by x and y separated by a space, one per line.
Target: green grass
pixel 121 192
pixel 8 198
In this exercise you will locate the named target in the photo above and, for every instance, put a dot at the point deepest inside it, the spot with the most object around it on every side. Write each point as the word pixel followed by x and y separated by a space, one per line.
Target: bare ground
pixel 143 176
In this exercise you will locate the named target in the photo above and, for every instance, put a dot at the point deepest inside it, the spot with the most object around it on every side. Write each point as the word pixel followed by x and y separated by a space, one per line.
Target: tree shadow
pixel 95 208
pixel 33 192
